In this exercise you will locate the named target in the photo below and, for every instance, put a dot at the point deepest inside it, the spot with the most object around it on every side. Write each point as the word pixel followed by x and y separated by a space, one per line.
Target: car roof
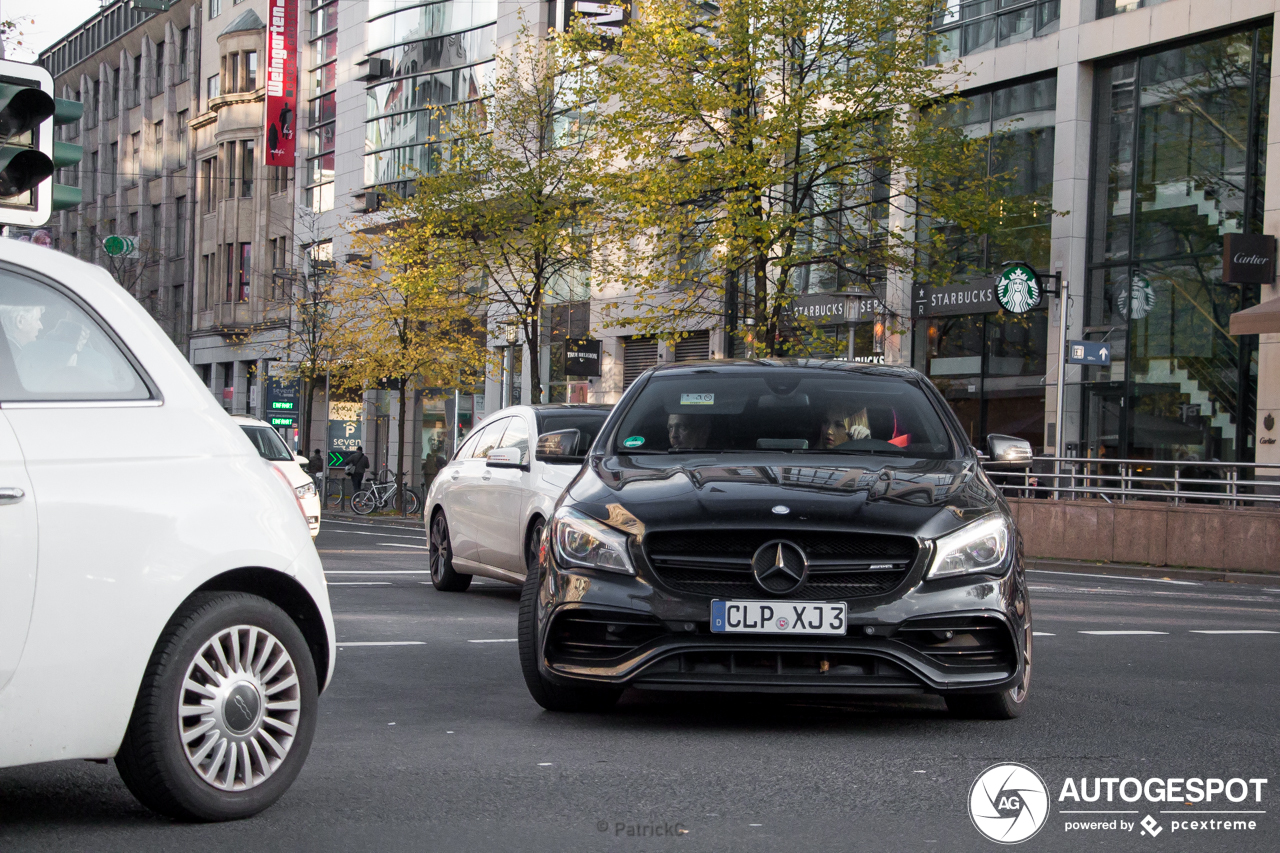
pixel 736 365
pixel 571 407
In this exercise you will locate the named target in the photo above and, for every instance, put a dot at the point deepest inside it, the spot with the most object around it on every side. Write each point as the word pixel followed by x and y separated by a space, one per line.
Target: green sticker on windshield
pixel 633 441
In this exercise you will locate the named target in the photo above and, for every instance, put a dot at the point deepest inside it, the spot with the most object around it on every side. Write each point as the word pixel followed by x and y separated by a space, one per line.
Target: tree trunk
pixel 305 407
pixel 533 344
pixel 400 446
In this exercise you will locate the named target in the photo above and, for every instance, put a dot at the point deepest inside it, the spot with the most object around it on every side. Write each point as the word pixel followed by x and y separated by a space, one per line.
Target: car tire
pixel 440 558
pixel 532 543
pixel 1005 705
pixel 553 697
pixel 233 647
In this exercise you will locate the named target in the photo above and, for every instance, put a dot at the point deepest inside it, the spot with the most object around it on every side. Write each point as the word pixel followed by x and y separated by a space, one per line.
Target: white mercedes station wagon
pixel 161 601
pixel 487 507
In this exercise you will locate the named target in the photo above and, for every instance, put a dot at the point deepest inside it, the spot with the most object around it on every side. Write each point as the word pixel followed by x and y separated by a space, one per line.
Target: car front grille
pixel 790 670
pixel 584 635
pixel 717 563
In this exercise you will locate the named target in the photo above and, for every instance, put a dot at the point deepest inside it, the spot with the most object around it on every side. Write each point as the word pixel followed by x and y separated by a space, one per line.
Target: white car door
pixel 17 543
pixel 505 493
pixel 463 503
pixel 111 468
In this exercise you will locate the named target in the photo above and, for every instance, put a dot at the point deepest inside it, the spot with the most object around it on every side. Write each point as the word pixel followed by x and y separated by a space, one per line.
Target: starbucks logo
pixel 1018 289
pixel 1137 299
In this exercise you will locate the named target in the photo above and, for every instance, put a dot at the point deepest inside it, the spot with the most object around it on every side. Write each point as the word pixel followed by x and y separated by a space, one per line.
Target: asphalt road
pixel 429 741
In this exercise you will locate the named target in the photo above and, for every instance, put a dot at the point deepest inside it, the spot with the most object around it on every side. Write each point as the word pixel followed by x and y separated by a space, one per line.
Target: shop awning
pixel 1261 319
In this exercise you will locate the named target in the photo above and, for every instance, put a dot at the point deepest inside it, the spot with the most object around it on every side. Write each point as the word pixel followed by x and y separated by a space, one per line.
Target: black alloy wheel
pixel 440 557
pixel 532 545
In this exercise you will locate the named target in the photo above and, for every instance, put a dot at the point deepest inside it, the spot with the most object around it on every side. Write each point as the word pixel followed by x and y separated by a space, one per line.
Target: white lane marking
pixel 473 583
pixel 385 643
pixel 1150 593
pixel 402 545
pixel 358 583
pixel 384 535
pixel 545 764
pixel 1113 577
pixel 1042 634
pixel 1265 589
pixel 512 640
pixel 1095 811
pixel 1236 632
pixel 368 572
pixel 1121 633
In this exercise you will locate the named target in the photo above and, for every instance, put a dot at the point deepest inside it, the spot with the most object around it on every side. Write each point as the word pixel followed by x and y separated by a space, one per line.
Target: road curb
pixel 1161 572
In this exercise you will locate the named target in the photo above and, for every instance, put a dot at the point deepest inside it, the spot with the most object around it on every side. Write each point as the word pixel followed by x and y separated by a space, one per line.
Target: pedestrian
pixel 357 464
pixel 315 466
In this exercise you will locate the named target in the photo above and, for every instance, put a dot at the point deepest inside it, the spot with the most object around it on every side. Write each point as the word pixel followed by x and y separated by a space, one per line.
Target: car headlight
pixel 306 490
pixel 583 542
pixel 977 547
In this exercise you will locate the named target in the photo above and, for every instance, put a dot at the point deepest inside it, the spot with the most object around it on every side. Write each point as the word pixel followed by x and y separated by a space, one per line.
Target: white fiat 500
pixel 487 507
pixel 161 601
pixel 271 447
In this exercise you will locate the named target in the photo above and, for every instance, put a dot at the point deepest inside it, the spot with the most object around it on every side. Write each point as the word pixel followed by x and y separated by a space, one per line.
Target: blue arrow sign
pixel 1089 352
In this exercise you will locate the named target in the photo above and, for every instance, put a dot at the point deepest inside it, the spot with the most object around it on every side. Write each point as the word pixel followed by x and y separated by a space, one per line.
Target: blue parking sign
pixel 1089 352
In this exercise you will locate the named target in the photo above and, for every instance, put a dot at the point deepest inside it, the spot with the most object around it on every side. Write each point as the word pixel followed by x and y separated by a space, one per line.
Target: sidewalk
pixel 1161 572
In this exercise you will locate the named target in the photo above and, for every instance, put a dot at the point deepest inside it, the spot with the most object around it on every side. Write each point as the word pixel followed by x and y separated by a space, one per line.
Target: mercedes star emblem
pixel 780 567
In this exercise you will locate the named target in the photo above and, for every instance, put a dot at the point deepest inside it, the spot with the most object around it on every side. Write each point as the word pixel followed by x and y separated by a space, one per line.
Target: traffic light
pixel 28 154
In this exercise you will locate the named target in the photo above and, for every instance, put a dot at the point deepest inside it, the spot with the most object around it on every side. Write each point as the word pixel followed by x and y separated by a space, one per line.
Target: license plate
pixel 777 617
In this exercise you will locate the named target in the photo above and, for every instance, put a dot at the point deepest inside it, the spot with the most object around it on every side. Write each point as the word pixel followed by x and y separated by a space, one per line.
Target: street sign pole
pixel 1062 366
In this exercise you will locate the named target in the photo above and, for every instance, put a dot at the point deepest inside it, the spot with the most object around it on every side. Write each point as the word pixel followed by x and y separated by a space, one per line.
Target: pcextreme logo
pixel 1009 803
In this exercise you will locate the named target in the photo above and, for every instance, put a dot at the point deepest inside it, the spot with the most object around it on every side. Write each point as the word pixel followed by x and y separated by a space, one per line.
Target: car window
pixel 267 442
pixel 490 435
pixel 54 350
pixel 587 423
pixel 801 411
pixel 517 436
pixel 468 444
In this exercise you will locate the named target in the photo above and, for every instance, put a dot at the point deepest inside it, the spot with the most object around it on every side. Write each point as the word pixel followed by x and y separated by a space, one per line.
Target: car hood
pixel 917 497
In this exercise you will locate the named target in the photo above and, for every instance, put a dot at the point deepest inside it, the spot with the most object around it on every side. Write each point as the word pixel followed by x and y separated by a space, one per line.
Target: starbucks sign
pixel 1137 299
pixel 1018 289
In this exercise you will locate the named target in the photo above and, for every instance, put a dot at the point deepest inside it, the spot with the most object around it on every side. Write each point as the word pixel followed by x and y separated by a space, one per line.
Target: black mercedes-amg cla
pixel 787 526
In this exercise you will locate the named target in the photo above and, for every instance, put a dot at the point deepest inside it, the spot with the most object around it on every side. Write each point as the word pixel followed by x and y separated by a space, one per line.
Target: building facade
pixel 1137 132
pixel 134 71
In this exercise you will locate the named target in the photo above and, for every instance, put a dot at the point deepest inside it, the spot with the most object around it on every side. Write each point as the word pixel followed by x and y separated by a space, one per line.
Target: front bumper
pixel 961 635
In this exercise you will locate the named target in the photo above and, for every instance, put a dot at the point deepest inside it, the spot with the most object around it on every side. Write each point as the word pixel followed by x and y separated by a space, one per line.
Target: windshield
pixel 786 411
pixel 268 444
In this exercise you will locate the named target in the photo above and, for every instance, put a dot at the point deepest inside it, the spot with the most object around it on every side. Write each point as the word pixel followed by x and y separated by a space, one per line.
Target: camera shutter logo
pixel 1008 803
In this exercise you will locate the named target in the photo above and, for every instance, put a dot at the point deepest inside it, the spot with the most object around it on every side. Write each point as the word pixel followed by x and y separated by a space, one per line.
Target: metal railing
pixel 1233 485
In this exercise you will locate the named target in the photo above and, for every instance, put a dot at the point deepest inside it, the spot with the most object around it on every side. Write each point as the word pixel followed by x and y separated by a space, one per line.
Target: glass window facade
pixel 322 108
pixel 991 367
pixel 1178 147
pixel 441 55
pixel 964 27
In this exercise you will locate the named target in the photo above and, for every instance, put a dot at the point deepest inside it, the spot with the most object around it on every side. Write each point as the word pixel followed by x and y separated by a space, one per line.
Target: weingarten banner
pixel 282 81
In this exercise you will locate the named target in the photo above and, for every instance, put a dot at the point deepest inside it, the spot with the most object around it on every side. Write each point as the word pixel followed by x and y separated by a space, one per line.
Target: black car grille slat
pixel 586 635
pixel 973 641
pixel 717 563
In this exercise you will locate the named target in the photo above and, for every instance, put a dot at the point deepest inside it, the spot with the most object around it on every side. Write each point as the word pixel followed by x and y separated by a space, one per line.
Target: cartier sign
pixel 1249 259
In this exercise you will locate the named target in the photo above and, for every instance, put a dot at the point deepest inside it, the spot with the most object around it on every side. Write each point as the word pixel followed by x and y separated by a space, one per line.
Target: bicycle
pixel 334 491
pixel 382 496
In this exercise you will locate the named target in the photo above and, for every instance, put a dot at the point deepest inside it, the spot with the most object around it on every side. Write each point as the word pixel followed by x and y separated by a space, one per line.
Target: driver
pixel 688 432
pixel 839 426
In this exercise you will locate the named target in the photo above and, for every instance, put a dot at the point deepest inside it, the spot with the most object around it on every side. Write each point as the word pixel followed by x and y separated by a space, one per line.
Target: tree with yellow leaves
pixel 753 150
pixel 404 320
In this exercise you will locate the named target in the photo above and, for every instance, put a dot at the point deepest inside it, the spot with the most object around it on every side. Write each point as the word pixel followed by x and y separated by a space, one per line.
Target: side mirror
pixel 560 447
pixel 504 457
pixel 1007 448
